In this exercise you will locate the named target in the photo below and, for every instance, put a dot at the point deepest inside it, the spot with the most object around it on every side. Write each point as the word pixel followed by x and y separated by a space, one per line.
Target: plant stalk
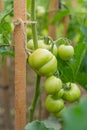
pixel 34 28
pixel 36 95
pixel 35 40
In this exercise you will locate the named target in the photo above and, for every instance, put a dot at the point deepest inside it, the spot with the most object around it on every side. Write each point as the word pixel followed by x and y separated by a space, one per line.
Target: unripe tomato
pixel 41 44
pixel 59 94
pixel 44 32
pixel 53 105
pixel 30 44
pixel 43 62
pixel 65 52
pixel 12 27
pixel 72 94
pixel 40 11
pixel 60 113
pixel 29 32
pixel 52 85
pixel 55 52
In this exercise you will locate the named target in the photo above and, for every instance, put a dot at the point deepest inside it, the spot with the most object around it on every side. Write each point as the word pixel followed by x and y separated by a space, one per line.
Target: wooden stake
pixel 20 66
pixel 52 28
pixel 74 4
pixel 1 5
pixel 65 25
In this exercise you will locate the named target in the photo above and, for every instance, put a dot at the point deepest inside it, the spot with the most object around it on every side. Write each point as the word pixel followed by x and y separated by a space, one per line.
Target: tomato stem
pixel 36 95
pixel 35 40
pixel 67 87
pixel 62 40
pixel 34 27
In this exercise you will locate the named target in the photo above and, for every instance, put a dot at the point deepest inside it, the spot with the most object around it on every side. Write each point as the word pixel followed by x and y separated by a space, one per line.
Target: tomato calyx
pixel 67 86
pixel 63 41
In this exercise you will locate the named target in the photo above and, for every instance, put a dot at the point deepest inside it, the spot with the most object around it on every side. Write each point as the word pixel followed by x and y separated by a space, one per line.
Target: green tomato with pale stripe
pixel 43 62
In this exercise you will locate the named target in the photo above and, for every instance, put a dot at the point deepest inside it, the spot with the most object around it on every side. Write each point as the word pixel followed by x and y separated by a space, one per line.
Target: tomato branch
pixel 33 104
pixel 35 40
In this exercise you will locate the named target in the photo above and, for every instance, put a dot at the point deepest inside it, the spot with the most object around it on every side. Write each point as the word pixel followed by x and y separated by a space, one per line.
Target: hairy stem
pixel 35 40
pixel 34 28
pixel 36 95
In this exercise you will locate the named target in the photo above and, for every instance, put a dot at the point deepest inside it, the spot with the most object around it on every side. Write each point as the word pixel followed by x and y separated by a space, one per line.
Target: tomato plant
pixel 63 64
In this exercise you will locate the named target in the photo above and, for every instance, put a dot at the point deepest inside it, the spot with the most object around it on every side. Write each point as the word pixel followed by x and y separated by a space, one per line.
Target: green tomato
pixel 29 32
pixel 40 11
pixel 44 32
pixel 60 113
pixel 59 94
pixel 12 27
pixel 41 44
pixel 30 44
pixel 55 52
pixel 72 94
pixel 43 62
pixel 65 52
pixel 53 105
pixel 52 85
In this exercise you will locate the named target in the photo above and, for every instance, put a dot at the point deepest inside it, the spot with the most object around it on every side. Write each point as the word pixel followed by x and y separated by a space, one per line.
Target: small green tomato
pixel 59 94
pixel 52 85
pixel 65 52
pixel 40 11
pixel 53 105
pixel 60 113
pixel 72 94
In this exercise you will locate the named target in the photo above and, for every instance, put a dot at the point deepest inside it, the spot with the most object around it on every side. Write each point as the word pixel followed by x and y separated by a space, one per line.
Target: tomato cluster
pixel 44 61
pixel 58 93
pixel 41 44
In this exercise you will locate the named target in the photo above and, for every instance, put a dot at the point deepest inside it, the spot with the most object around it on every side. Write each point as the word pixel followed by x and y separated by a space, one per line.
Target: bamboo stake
pixel 5 85
pixel 20 66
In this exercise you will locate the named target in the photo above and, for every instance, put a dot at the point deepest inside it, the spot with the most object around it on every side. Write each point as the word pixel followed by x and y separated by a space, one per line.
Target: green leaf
pixel 37 125
pixel 60 15
pixel 4 51
pixel 5 26
pixel 83 29
pixel 69 70
pixel 75 117
pixel 82 79
pixel 80 50
pixel 52 122
pixel 83 67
